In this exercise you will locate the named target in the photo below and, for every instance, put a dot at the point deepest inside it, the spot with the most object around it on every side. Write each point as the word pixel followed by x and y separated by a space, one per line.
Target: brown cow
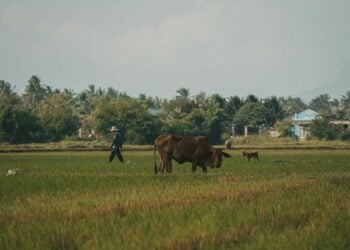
pixel 182 149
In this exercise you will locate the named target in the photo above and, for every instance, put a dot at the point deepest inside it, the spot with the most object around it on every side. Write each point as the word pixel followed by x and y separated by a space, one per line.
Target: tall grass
pixel 265 140
pixel 288 200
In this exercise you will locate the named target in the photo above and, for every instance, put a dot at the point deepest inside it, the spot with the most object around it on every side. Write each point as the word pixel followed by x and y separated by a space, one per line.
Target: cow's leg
pixel 166 163
pixel 163 164
pixel 194 167
pixel 169 166
pixel 166 166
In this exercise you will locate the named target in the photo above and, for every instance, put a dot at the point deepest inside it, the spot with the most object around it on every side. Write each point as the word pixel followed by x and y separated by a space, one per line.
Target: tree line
pixel 46 114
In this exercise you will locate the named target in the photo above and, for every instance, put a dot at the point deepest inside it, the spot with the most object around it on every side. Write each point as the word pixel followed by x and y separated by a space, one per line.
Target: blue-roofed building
pixel 301 122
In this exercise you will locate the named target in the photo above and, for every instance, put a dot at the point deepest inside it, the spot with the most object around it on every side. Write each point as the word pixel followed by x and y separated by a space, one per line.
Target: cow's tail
pixel 155 159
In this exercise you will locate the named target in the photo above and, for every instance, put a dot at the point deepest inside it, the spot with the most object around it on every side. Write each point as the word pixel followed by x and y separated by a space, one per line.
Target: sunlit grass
pixel 288 200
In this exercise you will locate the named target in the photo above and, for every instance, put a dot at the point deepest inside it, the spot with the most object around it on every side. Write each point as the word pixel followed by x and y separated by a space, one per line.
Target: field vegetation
pixel 291 199
pixel 262 141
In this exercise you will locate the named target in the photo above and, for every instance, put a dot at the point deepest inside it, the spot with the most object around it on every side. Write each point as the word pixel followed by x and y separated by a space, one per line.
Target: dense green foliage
pixel 322 129
pixel 44 114
pixel 288 200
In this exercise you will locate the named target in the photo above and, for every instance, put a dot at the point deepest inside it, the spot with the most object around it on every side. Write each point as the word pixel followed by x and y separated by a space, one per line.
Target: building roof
pixel 340 122
pixel 306 115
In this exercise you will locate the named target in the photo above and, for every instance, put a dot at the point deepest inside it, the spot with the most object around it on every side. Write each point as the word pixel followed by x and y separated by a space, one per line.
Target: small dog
pixel 251 155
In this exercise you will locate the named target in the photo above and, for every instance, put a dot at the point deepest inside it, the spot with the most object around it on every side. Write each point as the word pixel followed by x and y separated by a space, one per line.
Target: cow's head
pixel 215 159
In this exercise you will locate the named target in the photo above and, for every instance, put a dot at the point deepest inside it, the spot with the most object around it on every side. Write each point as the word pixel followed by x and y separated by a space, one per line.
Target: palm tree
pixel 5 88
pixel 321 104
pixel 35 92
pixel 183 93
pixel 345 101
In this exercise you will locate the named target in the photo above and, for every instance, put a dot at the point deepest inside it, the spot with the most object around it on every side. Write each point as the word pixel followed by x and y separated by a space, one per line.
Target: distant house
pixel 301 122
pixel 155 111
pixel 343 124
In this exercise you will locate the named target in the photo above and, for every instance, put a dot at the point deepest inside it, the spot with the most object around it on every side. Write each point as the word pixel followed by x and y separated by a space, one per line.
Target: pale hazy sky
pixel 155 47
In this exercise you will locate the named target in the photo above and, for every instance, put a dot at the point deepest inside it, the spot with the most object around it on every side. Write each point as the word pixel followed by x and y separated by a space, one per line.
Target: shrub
pixel 284 128
pixel 345 136
pixel 322 129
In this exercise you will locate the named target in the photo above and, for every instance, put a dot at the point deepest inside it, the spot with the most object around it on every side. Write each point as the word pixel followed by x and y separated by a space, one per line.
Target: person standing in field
pixel 116 146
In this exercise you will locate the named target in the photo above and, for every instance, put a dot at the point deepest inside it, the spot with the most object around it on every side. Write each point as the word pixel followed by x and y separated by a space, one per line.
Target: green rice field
pixel 291 199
